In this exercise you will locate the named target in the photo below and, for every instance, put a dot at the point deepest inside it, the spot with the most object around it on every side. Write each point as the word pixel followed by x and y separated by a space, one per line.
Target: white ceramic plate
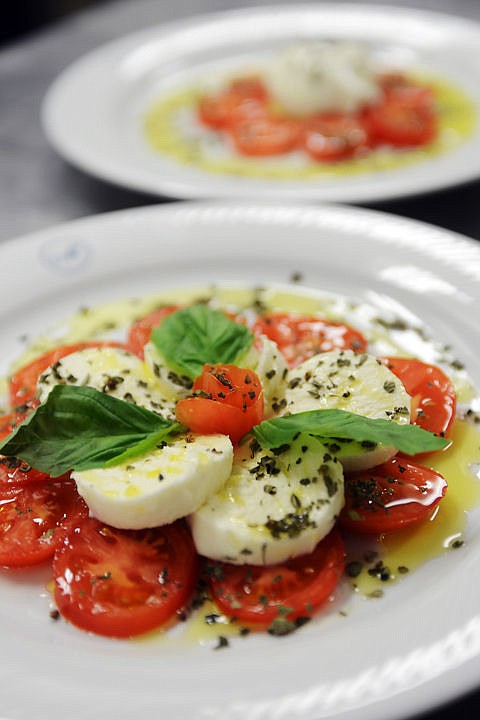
pixel 417 647
pixel 93 112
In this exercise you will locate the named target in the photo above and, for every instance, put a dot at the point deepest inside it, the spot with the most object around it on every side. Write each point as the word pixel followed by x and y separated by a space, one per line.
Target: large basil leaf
pixel 198 335
pixel 79 428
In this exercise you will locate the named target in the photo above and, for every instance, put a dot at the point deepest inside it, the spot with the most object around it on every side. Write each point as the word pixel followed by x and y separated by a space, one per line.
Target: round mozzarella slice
pixel 266 360
pixel 172 384
pixel 157 488
pixel 355 383
pixel 110 370
pixel 273 507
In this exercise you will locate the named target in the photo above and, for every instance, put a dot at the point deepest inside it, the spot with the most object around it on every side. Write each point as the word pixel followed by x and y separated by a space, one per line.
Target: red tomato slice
pixel 432 392
pixel 9 422
pixel 229 401
pixel 122 583
pixel 392 496
pixel 330 137
pixel 398 87
pixel 243 99
pixel 23 383
pixel 263 136
pixel 14 471
pixel 301 336
pixel 33 519
pixel 140 331
pixel 401 122
pixel 291 590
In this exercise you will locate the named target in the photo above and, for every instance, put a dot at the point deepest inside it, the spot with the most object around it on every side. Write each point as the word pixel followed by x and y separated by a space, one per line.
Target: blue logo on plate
pixel 66 255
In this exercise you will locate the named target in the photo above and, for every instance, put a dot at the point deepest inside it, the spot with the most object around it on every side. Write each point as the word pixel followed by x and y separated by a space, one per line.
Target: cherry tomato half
pixel 122 583
pixel 301 336
pixel 389 497
pixel 294 589
pixel 432 392
pixel 229 400
pixel 244 98
pixel 23 383
pixel 33 519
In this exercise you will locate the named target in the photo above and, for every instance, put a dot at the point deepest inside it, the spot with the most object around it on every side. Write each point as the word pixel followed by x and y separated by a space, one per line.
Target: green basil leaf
pixel 409 439
pixel 197 335
pixel 79 428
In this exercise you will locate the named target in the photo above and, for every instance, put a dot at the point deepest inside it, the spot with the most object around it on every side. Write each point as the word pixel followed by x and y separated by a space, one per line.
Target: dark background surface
pixel 39 38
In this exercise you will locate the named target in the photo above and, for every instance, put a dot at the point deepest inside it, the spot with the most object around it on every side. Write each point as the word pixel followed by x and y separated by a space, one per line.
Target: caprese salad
pixel 315 107
pixel 214 452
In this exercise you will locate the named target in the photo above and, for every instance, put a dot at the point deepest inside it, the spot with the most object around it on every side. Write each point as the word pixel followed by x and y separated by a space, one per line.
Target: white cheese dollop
pixel 318 77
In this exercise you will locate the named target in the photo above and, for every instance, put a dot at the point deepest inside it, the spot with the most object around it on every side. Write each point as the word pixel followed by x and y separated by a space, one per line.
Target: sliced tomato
pixel 139 333
pixel 228 400
pixel 244 98
pixel 292 590
pixel 14 471
pixel 401 122
pixel 9 422
pixel 122 583
pixel 392 496
pixel 263 136
pixel 330 137
pixel 432 392
pixel 23 383
pixel 33 519
pixel 398 87
pixel 301 336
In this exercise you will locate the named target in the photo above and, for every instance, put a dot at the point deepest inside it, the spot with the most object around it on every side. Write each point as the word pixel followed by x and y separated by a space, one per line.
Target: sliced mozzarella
pixel 109 370
pixel 273 507
pixel 266 360
pixel 156 489
pixel 172 384
pixel 355 383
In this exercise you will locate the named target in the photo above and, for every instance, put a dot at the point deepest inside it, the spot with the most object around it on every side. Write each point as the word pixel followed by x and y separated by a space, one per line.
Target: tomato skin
pixel 394 495
pixel 23 383
pixel 330 137
pixel 139 333
pixel 432 392
pixel 229 401
pixel 122 583
pixel 33 519
pixel 301 336
pixel 258 595
pixel 264 136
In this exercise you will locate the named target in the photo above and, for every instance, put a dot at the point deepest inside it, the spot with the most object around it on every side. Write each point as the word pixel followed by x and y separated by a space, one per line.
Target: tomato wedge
pixel 228 400
pixel 23 383
pixel 33 519
pixel 139 333
pixel 301 336
pixel 263 136
pixel 330 137
pixel 122 583
pixel 292 590
pixel 432 392
pixel 392 496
